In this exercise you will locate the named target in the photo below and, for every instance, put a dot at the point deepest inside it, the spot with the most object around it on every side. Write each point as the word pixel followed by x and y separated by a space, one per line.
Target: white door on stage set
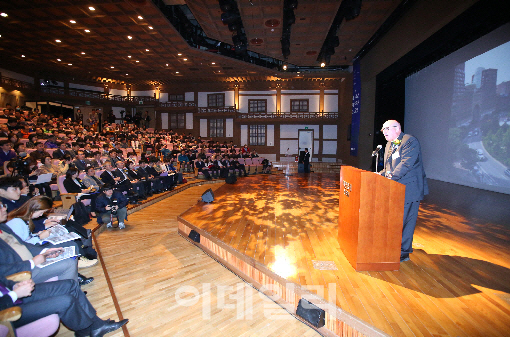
pixel 306 141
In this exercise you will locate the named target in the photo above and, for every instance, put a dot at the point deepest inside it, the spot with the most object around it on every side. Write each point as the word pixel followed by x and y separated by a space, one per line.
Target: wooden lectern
pixel 370 219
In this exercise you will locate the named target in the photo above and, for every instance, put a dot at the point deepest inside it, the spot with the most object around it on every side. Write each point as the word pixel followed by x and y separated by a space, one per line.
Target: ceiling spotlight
pixel 185 59
pixel 130 37
pixel 176 71
pixel 151 28
pixel 129 56
pixel 147 50
pixel 72 21
pixel 58 40
pixel 4 14
pixel 70 64
pixel 112 66
pixel 59 60
pixel 323 64
pixel 22 56
pixel 213 63
pixel 137 61
pixel 127 74
pixel 166 64
pixel 82 52
pixel 88 31
pixel 284 67
pixel 92 8
pixel 140 17
pixel 179 54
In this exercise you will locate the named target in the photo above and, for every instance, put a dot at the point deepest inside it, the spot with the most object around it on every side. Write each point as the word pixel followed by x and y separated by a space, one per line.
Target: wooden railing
pixel 289 115
pixel 222 109
pixel 177 104
pixel 115 97
pixel 16 83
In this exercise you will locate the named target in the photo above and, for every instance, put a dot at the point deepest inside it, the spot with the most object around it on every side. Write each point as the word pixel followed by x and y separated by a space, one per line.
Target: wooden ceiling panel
pixel 33 26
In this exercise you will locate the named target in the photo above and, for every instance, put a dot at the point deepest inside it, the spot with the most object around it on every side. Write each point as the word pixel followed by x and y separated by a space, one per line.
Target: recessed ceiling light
pixel 88 31
pixel 147 49
pixel 140 17
pixel 129 56
pixel 4 14
pixel 151 28
pixel 166 64
pixel 185 59
pixel 58 40
pixel 112 66
pixel 22 56
pixel 213 63
pixel 176 71
pixel 70 64
pixel 59 60
pixel 130 37
pixel 92 8
pixel 138 61
pixel 82 52
pixel 72 21
pixel 179 53
pixel 127 74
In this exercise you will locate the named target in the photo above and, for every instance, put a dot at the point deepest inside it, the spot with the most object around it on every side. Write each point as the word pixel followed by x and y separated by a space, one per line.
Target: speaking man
pixel 403 163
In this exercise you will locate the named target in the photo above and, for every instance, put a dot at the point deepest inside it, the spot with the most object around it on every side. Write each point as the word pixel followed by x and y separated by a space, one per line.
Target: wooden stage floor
pixel 280 234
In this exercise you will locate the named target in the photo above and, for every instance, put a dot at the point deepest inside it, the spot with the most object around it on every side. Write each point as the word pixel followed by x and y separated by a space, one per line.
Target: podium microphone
pixel 376 151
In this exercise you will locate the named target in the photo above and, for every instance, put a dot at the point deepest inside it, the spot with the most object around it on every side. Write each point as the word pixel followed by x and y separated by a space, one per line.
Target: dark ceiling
pixel 97 46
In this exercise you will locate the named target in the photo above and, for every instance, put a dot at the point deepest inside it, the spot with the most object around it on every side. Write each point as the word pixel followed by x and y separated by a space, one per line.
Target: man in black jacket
pixel 112 204
pixel 125 178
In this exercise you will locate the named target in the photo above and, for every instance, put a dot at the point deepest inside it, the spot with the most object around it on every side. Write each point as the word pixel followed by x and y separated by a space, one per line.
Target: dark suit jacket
pixel 107 178
pixel 59 154
pixel 200 165
pixel 72 187
pixel 406 167
pixel 81 166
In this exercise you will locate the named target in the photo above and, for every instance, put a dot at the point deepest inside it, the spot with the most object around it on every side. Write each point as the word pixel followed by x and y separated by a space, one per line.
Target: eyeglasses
pixel 387 128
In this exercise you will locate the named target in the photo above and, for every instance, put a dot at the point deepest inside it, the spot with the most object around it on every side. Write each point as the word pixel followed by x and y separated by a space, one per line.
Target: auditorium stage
pixel 280 234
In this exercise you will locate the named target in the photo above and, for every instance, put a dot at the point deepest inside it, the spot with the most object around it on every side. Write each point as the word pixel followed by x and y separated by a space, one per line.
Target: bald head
pixel 391 130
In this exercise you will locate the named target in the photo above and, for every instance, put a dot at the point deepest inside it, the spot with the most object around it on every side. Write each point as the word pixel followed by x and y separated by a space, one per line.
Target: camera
pixel 21 165
pixel 114 207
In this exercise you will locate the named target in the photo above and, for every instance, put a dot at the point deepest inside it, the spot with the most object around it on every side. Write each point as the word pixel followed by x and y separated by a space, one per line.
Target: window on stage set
pixel 175 97
pixel 257 135
pixel 177 120
pixel 216 100
pixel 216 128
pixel 257 105
pixel 299 105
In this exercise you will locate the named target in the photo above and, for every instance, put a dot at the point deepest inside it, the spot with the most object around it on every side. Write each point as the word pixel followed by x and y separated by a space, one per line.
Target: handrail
pixel 289 115
pixel 16 83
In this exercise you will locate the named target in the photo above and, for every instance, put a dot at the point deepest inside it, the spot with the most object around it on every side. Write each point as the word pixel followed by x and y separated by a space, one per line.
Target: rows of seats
pixel 252 166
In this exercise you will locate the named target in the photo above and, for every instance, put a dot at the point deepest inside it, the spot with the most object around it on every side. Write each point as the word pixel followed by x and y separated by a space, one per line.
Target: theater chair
pixel 43 327
pixel 197 173
pixel 67 198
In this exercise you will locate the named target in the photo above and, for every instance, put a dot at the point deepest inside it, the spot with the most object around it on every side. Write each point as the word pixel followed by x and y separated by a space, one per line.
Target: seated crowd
pixel 110 168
